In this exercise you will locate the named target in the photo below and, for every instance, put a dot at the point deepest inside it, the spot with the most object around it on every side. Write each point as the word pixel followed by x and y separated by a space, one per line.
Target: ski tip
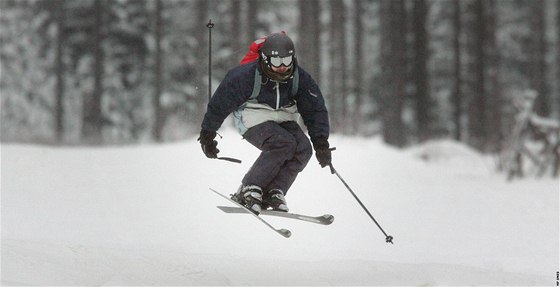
pixel 285 232
pixel 328 219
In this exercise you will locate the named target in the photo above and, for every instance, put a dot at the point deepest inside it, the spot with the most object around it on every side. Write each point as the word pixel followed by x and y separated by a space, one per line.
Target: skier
pixel 267 95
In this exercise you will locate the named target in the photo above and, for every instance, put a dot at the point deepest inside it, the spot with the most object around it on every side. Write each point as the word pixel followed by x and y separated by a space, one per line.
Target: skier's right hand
pixel 208 144
pixel 322 151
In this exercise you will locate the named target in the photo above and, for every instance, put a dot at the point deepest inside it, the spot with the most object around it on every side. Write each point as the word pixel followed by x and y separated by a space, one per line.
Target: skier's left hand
pixel 322 151
pixel 208 144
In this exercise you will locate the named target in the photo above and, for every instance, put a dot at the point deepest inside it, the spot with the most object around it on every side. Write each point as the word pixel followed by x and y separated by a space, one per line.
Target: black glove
pixel 322 151
pixel 208 144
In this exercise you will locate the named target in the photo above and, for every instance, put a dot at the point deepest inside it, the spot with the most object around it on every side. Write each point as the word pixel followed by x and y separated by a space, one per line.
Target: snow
pixel 143 215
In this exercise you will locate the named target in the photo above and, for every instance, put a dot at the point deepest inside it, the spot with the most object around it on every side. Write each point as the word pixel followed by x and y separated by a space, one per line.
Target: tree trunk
pixel 538 56
pixel 308 41
pixel 420 70
pixel 558 59
pixel 393 70
pixel 477 79
pixel 238 45
pixel 337 69
pixel 59 7
pixel 157 130
pixel 358 72
pixel 494 111
pixel 252 20
pixel 92 114
pixel 457 97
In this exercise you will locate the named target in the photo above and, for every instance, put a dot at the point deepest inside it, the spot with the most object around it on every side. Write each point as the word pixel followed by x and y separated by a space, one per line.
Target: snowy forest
pixel 100 72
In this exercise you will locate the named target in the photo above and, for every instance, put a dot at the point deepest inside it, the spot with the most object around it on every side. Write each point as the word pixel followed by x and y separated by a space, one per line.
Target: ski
pixel 284 232
pixel 325 219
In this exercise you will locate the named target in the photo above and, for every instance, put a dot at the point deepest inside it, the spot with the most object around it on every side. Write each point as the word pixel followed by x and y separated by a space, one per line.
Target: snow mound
pixel 144 215
pixel 444 150
pixel 451 153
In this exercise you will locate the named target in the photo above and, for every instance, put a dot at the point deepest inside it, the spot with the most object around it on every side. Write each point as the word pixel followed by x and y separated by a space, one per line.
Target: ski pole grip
pixel 333 171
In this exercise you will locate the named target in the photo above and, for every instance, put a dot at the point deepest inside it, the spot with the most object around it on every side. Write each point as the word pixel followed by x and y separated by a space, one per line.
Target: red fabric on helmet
pixel 253 53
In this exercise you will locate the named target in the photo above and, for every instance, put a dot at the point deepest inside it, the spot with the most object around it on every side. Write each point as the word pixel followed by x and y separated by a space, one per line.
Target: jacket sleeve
pixel 311 106
pixel 227 98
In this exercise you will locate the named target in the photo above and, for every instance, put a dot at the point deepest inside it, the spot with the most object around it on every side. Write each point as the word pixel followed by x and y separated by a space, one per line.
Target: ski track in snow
pixel 143 215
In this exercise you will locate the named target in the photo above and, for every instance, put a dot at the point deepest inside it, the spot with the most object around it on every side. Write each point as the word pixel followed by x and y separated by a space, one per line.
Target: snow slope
pixel 144 216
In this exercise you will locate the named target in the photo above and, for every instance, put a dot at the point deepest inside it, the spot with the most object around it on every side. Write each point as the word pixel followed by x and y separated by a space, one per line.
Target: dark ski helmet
pixel 278 50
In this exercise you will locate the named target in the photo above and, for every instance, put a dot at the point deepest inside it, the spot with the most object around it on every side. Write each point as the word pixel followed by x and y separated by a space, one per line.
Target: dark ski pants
pixel 285 151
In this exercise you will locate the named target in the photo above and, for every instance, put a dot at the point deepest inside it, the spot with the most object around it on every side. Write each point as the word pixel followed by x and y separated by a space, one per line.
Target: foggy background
pixel 100 72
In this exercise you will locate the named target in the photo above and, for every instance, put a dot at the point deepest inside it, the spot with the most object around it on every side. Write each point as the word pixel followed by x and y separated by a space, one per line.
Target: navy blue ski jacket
pixel 236 88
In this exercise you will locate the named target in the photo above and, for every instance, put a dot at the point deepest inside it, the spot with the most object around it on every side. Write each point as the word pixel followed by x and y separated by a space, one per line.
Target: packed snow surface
pixel 144 215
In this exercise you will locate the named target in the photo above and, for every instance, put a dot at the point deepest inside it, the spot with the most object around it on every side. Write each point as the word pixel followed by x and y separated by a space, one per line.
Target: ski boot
pixel 249 196
pixel 275 200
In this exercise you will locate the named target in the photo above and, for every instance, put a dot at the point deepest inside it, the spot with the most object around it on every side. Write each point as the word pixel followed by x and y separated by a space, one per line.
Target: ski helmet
pixel 278 50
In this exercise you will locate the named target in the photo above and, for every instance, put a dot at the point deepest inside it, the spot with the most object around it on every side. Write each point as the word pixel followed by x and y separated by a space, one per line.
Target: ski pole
pixel 230 159
pixel 388 238
pixel 210 25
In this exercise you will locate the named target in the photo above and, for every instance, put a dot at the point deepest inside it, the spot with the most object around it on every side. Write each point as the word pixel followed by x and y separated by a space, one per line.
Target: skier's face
pixel 282 69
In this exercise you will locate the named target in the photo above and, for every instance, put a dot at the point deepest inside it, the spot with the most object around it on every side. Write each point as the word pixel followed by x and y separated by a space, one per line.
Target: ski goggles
pixel 279 61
